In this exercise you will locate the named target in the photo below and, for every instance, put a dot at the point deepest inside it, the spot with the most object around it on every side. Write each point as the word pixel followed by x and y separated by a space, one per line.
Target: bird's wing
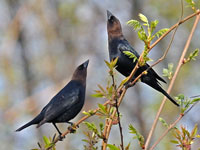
pixel 127 47
pixel 60 103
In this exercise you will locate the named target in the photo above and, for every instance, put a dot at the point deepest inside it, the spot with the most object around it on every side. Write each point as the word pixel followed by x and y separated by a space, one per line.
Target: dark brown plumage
pixel 65 105
pixel 117 45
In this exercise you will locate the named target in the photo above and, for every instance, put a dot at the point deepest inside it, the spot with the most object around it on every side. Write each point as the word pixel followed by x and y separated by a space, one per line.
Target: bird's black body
pixel 117 45
pixel 65 105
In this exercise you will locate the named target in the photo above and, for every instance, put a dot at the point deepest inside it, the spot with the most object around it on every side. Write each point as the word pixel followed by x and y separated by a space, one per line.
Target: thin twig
pixel 118 113
pixel 174 26
pixel 165 133
pixel 113 114
pixel 173 80
pixel 77 124
pixel 124 89
pixel 164 99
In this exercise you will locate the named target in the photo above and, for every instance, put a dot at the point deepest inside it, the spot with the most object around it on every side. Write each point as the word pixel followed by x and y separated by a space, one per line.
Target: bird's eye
pixel 111 18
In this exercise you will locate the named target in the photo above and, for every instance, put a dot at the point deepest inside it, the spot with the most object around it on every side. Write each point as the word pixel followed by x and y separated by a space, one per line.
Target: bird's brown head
pixel 113 26
pixel 80 73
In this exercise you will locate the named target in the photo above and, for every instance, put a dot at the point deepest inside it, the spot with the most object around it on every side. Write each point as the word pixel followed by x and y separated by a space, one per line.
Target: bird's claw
pixel 72 129
pixel 60 137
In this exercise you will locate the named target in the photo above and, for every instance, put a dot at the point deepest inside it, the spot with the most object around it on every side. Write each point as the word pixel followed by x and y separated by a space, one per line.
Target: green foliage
pixel 128 146
pixel 135 24
pixel 112 147
pixel 48 142
pixel 111 65
pixel 184 138
pixel 144 19
pixel 160 32
pixel 168 72
pixel 193 5
pixel 92 127
pixel 137 135
pixel 192 56
pixel 91 141
pixel 124 81
pixel 186 103
pixel 131 55
pixel 163 122
pixel 104 93
pixel 146 37
pixel 93 135
pixel 89 113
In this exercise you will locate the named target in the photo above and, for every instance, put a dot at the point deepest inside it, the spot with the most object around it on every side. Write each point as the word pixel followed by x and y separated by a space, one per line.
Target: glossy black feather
pixel 65 105
pixel 117 45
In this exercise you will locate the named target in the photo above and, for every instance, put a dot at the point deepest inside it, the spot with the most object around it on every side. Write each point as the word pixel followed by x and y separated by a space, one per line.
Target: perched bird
pixel 65 105
pixel 117 45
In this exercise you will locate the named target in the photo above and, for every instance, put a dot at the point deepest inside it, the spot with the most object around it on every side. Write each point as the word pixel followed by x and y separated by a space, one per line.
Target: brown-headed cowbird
pixel 117 45
pixel 65 105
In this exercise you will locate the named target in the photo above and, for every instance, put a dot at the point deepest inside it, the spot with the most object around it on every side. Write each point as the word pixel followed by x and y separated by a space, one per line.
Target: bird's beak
pixel 109 14
pixel 85 64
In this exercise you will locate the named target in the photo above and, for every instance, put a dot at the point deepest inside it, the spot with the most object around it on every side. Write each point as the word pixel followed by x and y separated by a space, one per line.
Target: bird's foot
pixel 71 123
pixel 60 137
pixel 72 129
pixel 129 84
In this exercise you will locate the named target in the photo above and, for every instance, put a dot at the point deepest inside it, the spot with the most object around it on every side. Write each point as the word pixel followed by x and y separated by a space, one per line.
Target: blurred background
pixel 42 42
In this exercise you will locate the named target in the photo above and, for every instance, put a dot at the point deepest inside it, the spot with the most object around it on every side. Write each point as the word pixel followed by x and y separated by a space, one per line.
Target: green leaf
pixel 97 95
pixel 138 135
pixel 130 55
pixel 161 32
pixel 163 122
pixel 170 67
pixel 108 64
pixel 132 129
pixel 194 131
pixel 197 136
pixel 165 72
pixel 114 62
pixel 84 140
pixel 153 25
pixel 103 108
pixel 46 140
pixel 195 100
pixel 143 18
pixel 101 88
pixel 174 141
pixel 101 125
pixel 142 35
pixel 112 147
pixel 128 146
pixel 191 4
pixel 86 113
pixel 91 126
pixel 180 97
pixel 135 24
pixel 89 113
pixel 168 72
pixel 192 56
pixel 124 81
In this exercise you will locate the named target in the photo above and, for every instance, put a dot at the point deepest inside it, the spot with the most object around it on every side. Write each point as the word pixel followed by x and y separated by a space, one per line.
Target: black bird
pixel 65 105
pixel 117 45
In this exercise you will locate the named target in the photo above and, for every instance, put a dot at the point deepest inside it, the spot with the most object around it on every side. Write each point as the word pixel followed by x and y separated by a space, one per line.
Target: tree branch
pixel 123 89
pixel 172 81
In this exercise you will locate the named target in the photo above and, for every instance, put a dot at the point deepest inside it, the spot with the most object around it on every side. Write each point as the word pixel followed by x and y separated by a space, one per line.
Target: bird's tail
pixel 169 97
pixel 157 87
pixel 34 121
